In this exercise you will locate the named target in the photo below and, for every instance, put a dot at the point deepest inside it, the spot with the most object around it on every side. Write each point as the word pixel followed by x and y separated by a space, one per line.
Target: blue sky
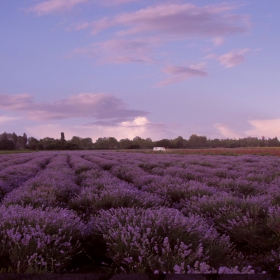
pixel 126 68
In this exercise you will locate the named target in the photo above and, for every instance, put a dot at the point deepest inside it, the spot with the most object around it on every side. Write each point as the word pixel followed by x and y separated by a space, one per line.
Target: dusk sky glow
pixel 126 68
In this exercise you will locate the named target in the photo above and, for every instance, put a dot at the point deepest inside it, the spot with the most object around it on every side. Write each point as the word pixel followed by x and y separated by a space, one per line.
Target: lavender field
pixel 139 213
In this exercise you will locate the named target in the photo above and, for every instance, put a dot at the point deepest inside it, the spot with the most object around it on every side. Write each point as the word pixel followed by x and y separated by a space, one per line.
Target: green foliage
pixel 78 143
pixel 6 144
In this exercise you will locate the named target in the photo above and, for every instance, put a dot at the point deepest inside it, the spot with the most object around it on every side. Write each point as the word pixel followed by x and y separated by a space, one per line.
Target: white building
pixel 159 149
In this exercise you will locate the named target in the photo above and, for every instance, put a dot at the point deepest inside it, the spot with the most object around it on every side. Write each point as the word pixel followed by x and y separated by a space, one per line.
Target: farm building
pixel 159 149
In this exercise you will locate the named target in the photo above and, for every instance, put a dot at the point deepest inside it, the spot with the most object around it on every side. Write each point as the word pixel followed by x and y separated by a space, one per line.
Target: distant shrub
pixel 134 146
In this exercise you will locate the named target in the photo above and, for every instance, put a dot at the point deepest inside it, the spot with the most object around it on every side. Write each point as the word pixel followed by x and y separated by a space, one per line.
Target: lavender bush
pixel 91 199
pixel 158 213
pixel 141 240
pixel 37 240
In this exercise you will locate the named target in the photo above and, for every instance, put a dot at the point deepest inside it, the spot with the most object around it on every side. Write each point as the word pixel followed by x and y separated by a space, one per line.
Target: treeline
pixel 11 141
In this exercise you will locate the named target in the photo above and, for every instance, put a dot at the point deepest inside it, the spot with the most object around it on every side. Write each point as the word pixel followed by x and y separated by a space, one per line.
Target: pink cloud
pixel 218 41
pixel 269 128
pixel 115 2
pixel 84 105
pixel 51 6
pixel 227 130
pixel 139 126
pixel 120 50
pixel 230 59
pixel 178 20
pixel 81 25
pixel 6 119
pixel 181 73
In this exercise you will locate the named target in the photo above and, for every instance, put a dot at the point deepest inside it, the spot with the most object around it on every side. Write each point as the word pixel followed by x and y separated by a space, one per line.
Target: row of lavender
pixel 139 213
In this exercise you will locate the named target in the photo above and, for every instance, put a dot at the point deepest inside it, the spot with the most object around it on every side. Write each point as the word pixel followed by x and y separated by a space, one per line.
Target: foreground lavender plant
pixel 141 240
pixel 37 240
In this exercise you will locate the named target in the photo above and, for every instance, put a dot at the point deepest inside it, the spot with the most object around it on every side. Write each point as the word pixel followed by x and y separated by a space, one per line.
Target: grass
pixel 16 152
pixel 261 151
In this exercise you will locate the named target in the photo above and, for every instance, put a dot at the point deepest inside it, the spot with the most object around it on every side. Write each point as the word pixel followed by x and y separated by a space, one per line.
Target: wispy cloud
pixel 181 73
pixel 84 105
pixel 114 2
pixel 7 119
pixel 218 41
pixel 51 6
pixel 228 131
pixel 230 59
pixel 135 35
pixel 267 128
pixel 120 50
pixel 179 20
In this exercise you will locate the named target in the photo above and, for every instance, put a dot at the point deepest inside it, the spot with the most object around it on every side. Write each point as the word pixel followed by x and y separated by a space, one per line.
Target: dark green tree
pixel 5 136
pixel 33 143
pixel 124 143
pixel 24 139
pixel 6 144
pixel 14 136
pixel 163 143
pixel 62 137
pixel 86 143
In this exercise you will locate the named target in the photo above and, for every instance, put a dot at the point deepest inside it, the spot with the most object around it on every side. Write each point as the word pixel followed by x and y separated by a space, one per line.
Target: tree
pixel 134 146
pixel 138 141
pixel 180 142
pixel 33 143
pixel 274 142
pixel 62 138
pixel 76 140
pixel 193 140
pixel 24 139
pixel 6 144
pixel 46 142
pixel 106 143
pixel 86 143
pixel 14 136
pixel 198 141
pixel 71 146
pixel 5 136
pixel 163 143
pixel 113 143
pixel 215 143
pixel 20 143
pixel 124 143
pixel 80 143
pixel 148 143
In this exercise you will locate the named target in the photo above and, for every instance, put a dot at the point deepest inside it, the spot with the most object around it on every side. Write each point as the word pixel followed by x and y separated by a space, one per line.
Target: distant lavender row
pixel 52 186
pixel 153 213
pixel 18 170
pixel 10 160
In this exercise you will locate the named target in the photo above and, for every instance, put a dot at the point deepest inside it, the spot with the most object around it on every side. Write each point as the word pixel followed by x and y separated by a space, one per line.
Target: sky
pixel 126 68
